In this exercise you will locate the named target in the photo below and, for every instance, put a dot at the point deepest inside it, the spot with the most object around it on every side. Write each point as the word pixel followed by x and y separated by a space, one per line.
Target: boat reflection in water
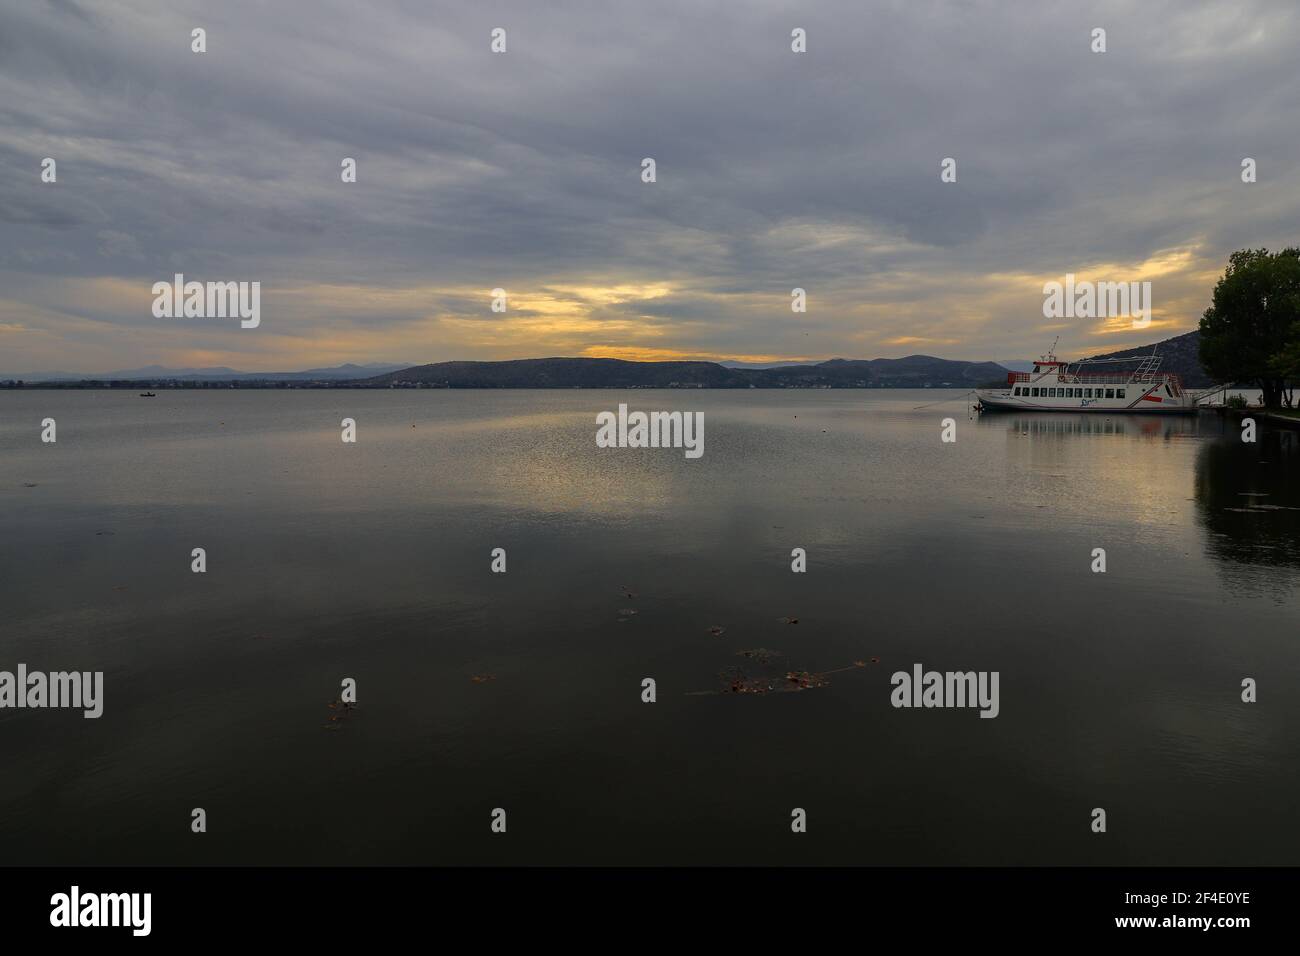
pixel 1066 424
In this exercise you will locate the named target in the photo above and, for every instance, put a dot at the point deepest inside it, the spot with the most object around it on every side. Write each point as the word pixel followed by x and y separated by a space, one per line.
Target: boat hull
pixel 996 400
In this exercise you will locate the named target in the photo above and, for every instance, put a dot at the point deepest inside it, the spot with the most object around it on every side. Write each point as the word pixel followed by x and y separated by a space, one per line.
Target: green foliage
pixel 1236 401
pixel 1251 332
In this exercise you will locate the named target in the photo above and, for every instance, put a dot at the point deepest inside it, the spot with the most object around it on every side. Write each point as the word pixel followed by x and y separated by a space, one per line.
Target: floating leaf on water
pixel 627 611
pixel 788 620
pixel 29 484
pixel 760 654
pixel 716 630
pixel 483 678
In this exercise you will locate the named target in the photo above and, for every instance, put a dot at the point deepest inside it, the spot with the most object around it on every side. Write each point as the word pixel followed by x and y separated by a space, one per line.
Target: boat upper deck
pixel 1100 378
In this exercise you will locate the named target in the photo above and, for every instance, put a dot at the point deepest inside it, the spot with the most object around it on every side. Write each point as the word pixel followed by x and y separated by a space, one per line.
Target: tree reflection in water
pixel 1248 502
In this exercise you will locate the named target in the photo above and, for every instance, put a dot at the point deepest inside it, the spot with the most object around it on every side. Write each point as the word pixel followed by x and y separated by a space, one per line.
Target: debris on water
pixel 29 484
pixel 803 680
pixel 875 660
pixel 758 677
pixel 120 587
pixel 627 611
pixel 716 630
pixel 105 532
pixel 788 620
pixel 749 685
pixel 483 678
pixel 342 710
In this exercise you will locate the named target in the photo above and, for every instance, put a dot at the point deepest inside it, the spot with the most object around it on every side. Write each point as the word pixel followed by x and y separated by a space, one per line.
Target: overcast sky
pixel 523 170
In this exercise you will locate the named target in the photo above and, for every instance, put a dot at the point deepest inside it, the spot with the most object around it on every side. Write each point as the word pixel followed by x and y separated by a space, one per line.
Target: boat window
pixel 1053 395
pixel 1110 393
pixel 1035 395
pixel 1119 393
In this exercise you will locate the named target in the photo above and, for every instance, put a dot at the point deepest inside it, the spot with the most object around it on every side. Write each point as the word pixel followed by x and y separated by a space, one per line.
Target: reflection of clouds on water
pixel 1248 502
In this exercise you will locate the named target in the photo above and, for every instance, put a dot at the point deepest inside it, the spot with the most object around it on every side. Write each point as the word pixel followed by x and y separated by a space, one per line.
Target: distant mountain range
pixel 915 371
pixel 217 374
pixel 1178 354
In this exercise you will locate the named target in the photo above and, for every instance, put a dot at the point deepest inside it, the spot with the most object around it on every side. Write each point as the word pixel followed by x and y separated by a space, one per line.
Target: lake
pixel 523 690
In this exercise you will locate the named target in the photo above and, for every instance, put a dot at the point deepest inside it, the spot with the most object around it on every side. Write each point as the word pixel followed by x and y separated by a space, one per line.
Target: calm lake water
pixel 371 561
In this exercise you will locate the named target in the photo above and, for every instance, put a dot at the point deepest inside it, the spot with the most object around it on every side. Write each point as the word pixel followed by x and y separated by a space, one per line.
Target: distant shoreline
pixel 205 386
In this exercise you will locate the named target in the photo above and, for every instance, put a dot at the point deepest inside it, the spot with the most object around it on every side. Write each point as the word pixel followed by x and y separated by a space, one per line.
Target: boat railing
pixel 1147 378
pixel 1121 379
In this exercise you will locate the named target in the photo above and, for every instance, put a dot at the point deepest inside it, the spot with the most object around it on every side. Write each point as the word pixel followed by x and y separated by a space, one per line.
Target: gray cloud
pixel 775 169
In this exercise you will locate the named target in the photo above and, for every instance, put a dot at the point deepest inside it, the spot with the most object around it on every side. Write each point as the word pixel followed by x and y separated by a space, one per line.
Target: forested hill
pixel 1179 354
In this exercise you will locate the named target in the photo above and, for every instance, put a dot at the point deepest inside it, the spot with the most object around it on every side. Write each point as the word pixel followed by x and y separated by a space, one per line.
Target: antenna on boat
pixel 1051 353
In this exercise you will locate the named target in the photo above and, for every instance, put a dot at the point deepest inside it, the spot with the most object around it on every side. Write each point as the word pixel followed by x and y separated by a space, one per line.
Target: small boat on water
pixel 148 395
pixel 1091 385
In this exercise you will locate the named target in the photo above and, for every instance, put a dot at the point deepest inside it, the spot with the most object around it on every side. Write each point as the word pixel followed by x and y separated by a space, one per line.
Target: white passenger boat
pixel 1091 385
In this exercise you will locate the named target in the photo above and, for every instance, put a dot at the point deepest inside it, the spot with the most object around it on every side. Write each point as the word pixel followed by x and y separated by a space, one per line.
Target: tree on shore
pixel 1251 332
